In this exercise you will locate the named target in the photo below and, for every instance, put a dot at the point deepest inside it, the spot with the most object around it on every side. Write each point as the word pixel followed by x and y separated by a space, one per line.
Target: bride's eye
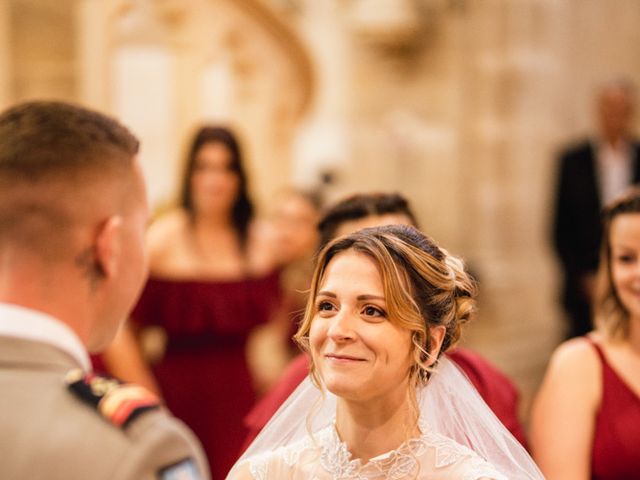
pixel 324 306
pixel 371 311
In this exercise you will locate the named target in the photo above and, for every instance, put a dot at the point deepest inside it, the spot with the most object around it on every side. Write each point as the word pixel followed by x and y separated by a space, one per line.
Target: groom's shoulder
pixel 128 423
pixel 162 447
pixel 121 436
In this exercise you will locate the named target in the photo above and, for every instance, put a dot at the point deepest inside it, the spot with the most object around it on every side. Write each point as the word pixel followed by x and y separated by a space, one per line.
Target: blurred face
pixel 615 113
pixel 359 353
pixel 351 226
pixel 295 220
pixel 625 260
pixel 214 185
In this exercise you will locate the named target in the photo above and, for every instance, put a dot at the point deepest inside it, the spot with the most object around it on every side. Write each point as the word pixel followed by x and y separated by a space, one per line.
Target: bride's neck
pixel 374 427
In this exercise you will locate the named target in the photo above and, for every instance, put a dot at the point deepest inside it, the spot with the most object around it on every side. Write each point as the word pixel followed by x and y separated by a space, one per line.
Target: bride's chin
pixel 343 389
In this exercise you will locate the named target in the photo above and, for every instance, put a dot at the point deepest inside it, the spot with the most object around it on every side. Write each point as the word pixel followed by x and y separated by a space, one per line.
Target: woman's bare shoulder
pixel 576 354
pixel 574 371
pixel 166 243
pixel 260 248
pixel 163 231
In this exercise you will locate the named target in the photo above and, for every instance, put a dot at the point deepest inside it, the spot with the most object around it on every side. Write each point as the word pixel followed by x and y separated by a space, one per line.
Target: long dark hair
pixel 243 207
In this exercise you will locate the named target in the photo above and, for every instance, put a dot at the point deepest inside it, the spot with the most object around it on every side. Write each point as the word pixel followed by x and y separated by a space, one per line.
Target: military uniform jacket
pixel 49 433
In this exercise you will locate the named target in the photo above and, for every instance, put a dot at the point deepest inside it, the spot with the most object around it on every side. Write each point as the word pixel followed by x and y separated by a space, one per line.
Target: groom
pixel 73 211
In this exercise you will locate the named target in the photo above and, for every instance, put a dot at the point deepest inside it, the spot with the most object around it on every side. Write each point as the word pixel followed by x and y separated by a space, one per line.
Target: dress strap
pixel 598 349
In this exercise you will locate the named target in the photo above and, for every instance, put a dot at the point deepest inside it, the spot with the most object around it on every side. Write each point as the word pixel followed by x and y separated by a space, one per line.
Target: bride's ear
pixel 436 337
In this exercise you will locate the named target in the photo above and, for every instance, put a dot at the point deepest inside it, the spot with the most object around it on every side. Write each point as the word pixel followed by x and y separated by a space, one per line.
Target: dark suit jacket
pixel 577 227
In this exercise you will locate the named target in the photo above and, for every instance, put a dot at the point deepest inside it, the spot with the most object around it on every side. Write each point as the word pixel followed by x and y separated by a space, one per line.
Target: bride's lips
pixel 343 358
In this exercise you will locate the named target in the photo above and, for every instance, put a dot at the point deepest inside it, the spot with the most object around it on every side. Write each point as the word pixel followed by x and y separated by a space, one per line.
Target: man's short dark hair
pixel 359 206
pixel 53 157
pixel 38 139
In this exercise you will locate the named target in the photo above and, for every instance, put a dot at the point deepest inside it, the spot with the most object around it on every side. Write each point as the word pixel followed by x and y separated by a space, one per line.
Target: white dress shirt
pixel 615 169
pixel 27 324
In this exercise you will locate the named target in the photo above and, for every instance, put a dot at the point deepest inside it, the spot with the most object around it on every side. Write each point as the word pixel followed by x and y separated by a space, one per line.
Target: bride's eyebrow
pixel 369 297
pixel 324 293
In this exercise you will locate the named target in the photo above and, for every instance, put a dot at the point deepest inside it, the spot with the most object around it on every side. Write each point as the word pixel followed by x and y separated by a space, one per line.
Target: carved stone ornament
pixel 387 23
pixel 147 20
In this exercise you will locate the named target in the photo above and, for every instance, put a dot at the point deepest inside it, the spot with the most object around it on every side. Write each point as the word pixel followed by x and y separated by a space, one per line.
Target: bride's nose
pixel 342 327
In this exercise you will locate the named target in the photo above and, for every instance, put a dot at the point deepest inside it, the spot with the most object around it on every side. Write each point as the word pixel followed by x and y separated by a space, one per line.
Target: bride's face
pixel 359 353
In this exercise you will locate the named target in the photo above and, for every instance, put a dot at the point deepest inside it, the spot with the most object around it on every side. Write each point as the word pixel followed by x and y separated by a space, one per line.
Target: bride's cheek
pixel 317 329
pixel 316 335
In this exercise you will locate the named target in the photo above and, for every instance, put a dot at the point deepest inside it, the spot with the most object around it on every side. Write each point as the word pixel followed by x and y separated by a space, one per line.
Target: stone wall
pixel 458 104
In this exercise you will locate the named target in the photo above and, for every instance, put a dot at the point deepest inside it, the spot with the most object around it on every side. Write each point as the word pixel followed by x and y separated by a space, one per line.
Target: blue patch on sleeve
pixel 184 470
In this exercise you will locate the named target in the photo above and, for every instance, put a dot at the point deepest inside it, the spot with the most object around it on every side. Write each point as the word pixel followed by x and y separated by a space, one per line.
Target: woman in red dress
pixel 586 417
pixel 210 284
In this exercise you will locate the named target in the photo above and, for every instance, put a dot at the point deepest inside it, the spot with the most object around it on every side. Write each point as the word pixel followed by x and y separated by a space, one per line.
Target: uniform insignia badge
pixel 184 470
pixel 118 402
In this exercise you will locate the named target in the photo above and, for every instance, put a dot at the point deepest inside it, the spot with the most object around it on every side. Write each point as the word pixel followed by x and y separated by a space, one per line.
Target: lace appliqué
pixel 479 468
pixel 405 460
pixel 258 468
pixel 395 465
pixel 259 465
pixel 448 452
pixel 399 464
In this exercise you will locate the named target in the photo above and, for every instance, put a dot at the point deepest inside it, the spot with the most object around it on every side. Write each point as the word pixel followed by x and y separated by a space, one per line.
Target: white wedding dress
pixel 461 439
pixel 324 457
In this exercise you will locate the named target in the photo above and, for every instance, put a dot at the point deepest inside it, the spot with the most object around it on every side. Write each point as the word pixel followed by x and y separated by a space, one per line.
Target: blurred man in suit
pixel 590 175
pixel 73 211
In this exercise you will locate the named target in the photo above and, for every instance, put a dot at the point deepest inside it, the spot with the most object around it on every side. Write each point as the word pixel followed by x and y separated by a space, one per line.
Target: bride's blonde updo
pixel 424 287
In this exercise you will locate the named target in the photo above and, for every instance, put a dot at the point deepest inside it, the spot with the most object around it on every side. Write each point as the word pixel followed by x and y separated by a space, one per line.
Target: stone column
pixel 322 143
pixel 5 54
pixel 508 126
pixel 93 53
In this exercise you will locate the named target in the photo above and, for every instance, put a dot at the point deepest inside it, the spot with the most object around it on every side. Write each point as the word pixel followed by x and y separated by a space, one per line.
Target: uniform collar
pixel 24 323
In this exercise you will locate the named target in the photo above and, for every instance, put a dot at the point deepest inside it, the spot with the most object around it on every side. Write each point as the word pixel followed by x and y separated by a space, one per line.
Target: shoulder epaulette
pixel 118 402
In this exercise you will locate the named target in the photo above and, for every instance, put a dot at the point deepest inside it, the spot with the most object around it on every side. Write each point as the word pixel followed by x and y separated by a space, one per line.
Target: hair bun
pixel 464 290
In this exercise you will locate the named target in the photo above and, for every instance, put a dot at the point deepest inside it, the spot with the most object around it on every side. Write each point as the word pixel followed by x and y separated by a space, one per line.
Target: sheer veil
pixel 449 405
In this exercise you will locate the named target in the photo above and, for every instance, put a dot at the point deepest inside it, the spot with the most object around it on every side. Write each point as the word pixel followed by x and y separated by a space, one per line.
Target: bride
pixel 380 403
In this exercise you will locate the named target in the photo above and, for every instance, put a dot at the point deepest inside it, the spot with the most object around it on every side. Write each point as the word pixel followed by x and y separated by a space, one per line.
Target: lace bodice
pixel 326 457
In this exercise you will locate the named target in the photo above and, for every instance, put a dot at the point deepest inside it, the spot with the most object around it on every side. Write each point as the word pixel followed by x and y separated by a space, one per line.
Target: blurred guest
pixel 73 212
pixel 590 174
pixel 210 285
pixel 378 209
pixel 295 239
pixel 586 417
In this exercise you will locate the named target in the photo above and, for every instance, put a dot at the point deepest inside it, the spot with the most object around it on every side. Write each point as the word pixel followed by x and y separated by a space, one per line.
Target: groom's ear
pixel 108 246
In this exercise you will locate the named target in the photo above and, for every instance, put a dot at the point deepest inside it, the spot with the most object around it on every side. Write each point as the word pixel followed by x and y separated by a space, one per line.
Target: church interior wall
pixel 460 105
